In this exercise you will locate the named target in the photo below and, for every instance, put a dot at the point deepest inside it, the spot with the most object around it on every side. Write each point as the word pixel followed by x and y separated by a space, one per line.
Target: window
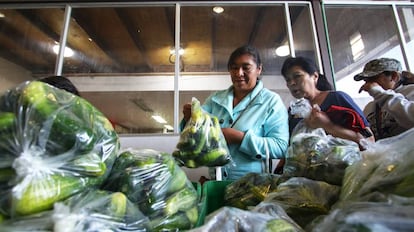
pixel 357 46
pixel 121 57
pixel 27 38
pixel 406 16
pixel 373 32
pixel 124 65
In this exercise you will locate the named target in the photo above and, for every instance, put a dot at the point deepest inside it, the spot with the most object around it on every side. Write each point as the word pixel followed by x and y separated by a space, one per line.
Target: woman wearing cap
pixel 304 81
pixel 250 115
pixel 392 110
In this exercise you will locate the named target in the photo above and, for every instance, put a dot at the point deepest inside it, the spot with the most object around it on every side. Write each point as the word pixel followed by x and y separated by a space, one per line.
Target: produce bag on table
pixel 154 181
pixel 250 190
pixel 53 144
pixel 368 216
pixel 304 199
pixel 318 156
pixel 91 210
pixel 202 142
pixel 232 219
pixel 387 167
pixel 277 211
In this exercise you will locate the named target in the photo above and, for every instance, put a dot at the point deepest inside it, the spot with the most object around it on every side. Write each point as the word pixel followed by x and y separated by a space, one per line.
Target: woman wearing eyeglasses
pixel 251 116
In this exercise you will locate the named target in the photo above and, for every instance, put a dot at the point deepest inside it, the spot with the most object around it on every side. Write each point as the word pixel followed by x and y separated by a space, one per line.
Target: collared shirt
pixel 266 118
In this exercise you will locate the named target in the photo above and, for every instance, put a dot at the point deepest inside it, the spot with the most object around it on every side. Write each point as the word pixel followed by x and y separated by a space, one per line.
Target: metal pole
pixel 177 68
pixel 401 37
pixel 289 30
pixel 62 42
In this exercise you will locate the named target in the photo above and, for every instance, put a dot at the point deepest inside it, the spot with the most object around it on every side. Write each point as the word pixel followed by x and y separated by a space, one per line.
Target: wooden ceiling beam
pixel 257 22
pixel 26 43
pixel 170 14
pixel 90 30
pixel 34 19
pixel 214 61
pixel 133 33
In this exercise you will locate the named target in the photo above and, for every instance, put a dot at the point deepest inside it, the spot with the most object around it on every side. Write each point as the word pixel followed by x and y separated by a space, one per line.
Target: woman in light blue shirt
pixel 250 116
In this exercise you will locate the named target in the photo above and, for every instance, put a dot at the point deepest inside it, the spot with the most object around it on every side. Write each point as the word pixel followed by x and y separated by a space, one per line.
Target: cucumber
pixel 183 200
pixel 41 193
pixel 118 205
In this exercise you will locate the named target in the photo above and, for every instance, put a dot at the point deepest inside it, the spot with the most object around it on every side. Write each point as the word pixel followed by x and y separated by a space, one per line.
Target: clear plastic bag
pixel 231 219
pixel 88 211
pixel 250 190
pixel 53 144
pixel 276 211
pixel 154 181
pixel 37 222
pixel 301 108
pixel 386 167
pixel 318 156
pixel 202 142
pixel 98 210
pixel 368 216
pixel 304 199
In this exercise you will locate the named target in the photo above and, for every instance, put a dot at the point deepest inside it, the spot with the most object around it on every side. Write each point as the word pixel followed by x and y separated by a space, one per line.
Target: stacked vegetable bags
pixel 53 145
pixel 61 170
pixel 160 188
pixel 91 210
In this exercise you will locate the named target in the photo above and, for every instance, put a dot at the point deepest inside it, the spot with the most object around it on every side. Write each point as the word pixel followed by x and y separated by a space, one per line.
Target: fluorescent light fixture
pixel 169 127
pixel 218 9
pixel 159 119
pixel 180 51
pixel 283 50
pixel 67 53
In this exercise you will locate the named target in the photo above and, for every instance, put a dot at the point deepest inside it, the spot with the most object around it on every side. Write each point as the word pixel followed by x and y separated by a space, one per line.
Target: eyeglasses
pixel 246 68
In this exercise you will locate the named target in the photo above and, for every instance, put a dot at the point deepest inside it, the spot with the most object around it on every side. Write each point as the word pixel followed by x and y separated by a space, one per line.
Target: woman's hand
pixel 232 136
pixel 187 111
pixel 318 119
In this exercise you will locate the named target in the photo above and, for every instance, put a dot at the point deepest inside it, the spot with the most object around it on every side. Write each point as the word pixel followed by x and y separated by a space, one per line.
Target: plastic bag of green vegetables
pixel 250 190
pixel 276 211
pixel 201 141
pixel 53 144
pixel 98 210
pixel 386 167
pixel 93 210
pixel 368 216
pixel 231 219
pixel 304 199
pixel 318 156
pixel 154 181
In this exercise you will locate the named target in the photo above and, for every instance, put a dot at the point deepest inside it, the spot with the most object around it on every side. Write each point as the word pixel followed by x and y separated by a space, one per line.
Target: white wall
pixel 162 82
pixel 12 75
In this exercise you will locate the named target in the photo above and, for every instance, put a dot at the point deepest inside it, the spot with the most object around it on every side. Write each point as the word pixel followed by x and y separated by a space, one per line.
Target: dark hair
pixel 387 73
pixel 61 82
pixel 246 49
pixel 308 66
